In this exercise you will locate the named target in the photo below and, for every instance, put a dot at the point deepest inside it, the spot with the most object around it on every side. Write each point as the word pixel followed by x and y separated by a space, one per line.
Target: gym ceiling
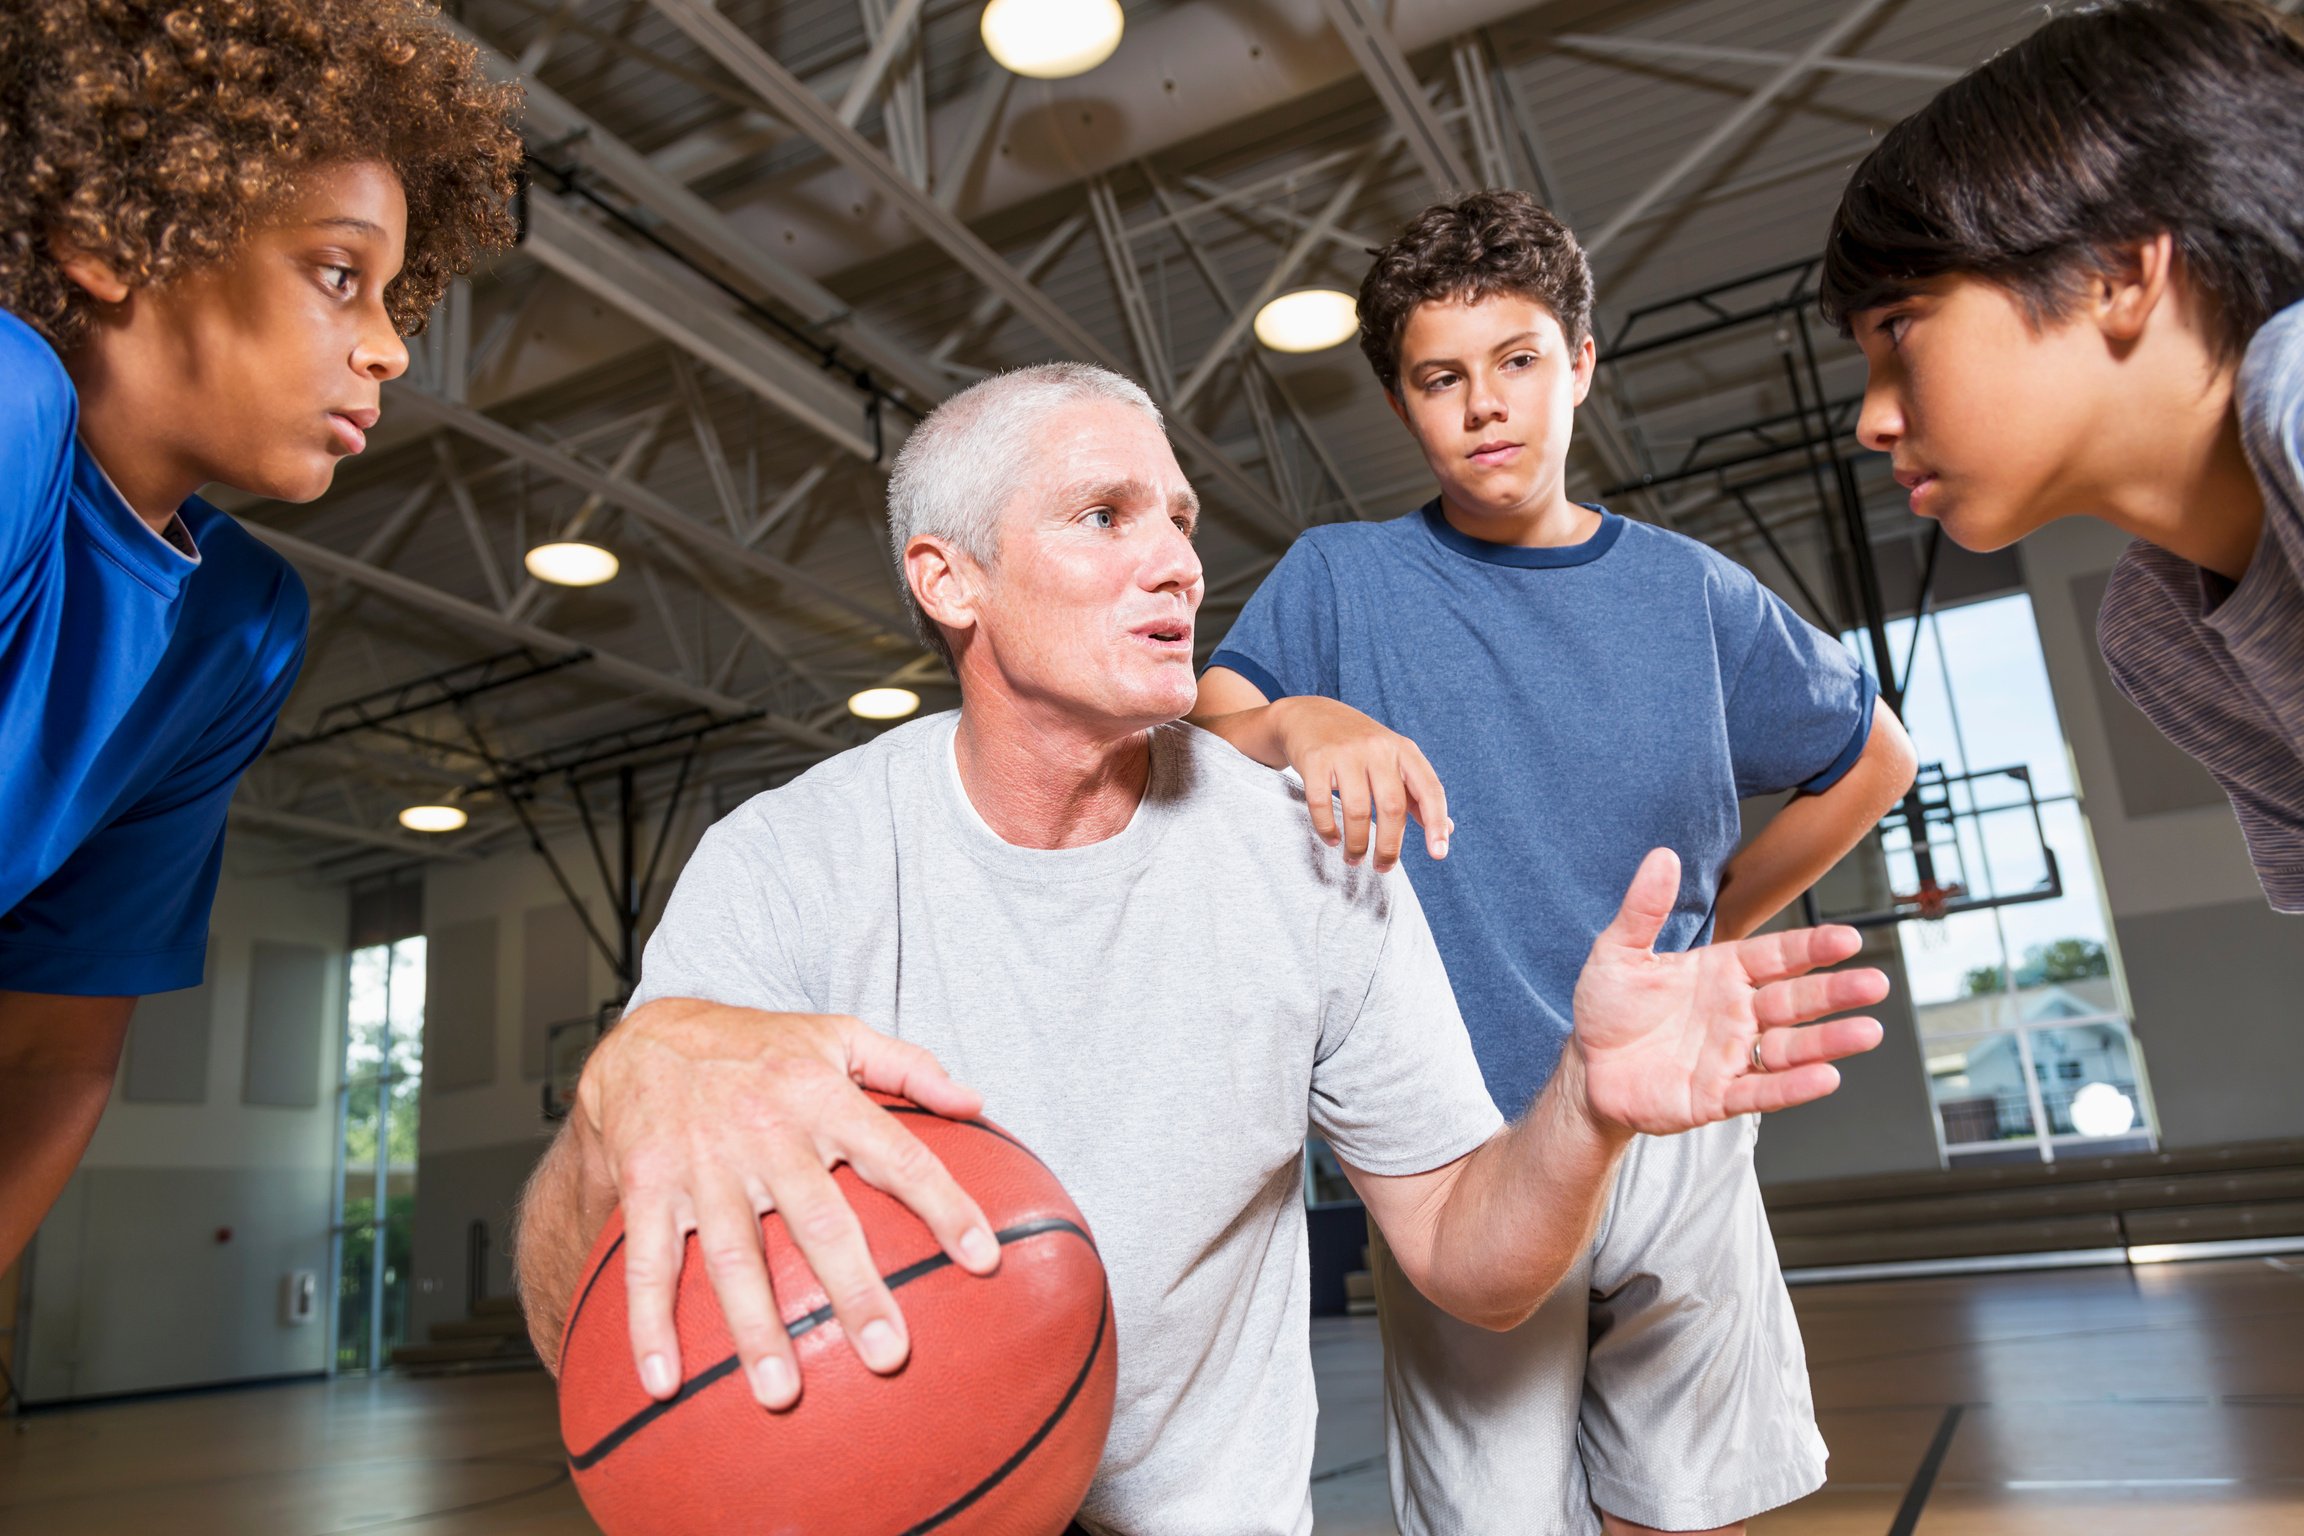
pixel 760 238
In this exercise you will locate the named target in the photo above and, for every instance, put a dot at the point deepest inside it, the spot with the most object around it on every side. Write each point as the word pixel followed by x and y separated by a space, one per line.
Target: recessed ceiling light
pixel 1050 39
pixel 432 818
pixel 1308 320
pixel 883 703
pixel 571 564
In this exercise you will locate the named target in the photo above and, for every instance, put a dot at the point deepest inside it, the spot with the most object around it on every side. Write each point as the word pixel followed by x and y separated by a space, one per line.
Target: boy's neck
pixel 2192 491
pixel 1552 523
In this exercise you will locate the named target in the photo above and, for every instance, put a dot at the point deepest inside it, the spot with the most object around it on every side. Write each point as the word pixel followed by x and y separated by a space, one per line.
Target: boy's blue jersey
pixel 1581 705
pixel 137 682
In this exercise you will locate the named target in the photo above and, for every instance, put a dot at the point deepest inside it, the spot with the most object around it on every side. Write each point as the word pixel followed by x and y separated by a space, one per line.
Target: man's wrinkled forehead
pixel 1094 453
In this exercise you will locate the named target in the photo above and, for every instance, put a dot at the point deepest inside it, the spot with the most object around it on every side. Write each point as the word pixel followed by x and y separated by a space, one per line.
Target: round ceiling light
pixel 1308 320
pixel 883 703
pixel 433 818
pixel 1051 39
pixel 571 564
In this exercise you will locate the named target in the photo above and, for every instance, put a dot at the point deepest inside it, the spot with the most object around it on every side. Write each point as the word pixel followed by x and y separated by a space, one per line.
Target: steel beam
pixel 1396 85
pixel 336 831
pixel 1732 127
pixel 784 93
pixel 705 327
pixel 640 501
pixel 1710 53
pixel 308 556
pixel 684 213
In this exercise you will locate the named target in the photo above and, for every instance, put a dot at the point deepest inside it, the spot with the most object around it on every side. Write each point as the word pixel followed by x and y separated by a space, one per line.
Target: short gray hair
pixel 967 460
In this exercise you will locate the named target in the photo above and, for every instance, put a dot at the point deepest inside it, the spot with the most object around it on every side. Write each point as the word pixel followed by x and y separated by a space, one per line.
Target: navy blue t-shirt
pixel 137 682
pixel 1582 705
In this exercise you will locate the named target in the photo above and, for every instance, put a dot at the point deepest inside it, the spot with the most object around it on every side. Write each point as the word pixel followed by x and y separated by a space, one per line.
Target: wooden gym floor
pixel 2097 1402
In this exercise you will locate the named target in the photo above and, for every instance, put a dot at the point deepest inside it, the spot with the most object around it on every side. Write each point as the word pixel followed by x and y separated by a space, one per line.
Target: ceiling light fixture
pixel 571 563
pixel 1308 320
pixel 1051 39
pixel 433 818
pixel 883 703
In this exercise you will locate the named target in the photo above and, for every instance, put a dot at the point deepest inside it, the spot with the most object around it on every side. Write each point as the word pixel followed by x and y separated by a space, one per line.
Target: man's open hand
pixel 1667 1040
pixel 700 1118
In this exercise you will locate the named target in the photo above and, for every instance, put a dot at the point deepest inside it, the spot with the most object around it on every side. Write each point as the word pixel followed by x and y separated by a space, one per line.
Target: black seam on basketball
pixel 1095 1350
pixel 568 1332
pixel 974 1125
pixel 807 1322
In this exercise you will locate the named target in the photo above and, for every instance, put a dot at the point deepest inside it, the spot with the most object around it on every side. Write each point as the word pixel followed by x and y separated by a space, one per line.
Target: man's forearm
pixel 1523 1208
pixel 559 1218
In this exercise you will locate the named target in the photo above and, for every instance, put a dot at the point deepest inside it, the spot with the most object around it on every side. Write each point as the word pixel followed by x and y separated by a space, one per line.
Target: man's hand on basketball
pixel 701 1118
pixel 1379 775
pixel 1677 1040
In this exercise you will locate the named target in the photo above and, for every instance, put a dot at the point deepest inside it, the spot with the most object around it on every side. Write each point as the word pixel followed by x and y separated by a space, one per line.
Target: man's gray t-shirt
pixel 1161 1016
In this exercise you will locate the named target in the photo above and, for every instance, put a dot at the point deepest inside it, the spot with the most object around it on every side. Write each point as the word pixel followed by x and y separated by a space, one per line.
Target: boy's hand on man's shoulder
pixel 1377 775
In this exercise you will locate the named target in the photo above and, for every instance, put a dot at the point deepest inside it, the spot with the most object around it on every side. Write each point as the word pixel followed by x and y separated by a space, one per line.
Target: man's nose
pixel 1175 567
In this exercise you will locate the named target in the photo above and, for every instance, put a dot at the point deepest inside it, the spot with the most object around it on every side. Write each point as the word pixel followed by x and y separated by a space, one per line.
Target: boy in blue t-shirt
pixel 220 219
pixel 2077 275
pixel 1559 691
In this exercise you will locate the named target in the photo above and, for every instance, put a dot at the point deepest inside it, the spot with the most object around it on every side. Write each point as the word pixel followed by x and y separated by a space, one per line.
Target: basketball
pixel 993 1427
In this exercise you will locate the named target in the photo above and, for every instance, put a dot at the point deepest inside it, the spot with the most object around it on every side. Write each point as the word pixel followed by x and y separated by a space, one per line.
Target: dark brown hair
pixel 153 134
pixel 2102 129
pixel 1473 248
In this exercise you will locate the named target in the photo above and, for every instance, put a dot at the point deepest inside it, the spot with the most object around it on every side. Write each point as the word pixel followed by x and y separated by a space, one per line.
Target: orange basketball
pixel 992 1428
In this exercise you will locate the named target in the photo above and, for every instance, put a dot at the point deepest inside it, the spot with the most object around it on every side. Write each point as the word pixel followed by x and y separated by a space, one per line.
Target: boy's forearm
pixel 1812 833
pixel 1523 1208
pixel 1252 732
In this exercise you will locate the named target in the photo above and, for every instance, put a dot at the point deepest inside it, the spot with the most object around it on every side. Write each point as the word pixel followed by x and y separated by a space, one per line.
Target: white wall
pixel 477 1144
pixel 131 1287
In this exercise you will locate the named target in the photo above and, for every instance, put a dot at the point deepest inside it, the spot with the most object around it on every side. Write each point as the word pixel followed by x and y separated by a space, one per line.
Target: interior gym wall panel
pixel 555 980
pixel 454 1189
pixel 287 1023
pixel 2219 999
pixel 144 1279
pixel 460 1006
pixel 167 1056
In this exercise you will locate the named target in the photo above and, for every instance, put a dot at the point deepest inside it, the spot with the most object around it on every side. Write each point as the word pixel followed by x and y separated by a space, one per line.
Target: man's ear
pixel 1392 399
pixel 2129 283
pixel 945 581
pixel 1587 359
pixel 93 275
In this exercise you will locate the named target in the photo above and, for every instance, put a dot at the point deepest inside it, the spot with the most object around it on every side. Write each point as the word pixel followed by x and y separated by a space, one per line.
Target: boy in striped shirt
pixel 2076 275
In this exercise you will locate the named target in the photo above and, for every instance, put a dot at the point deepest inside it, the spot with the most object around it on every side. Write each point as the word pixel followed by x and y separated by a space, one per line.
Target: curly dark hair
pixel 2108 125
pixel 1473 248
pixel 153 134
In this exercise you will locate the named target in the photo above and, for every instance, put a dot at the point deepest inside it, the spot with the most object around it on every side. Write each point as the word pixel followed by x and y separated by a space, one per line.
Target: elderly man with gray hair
pixel 1124 937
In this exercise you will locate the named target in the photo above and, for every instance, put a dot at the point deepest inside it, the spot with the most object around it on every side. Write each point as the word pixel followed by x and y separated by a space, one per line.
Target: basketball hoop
pixel 1930 900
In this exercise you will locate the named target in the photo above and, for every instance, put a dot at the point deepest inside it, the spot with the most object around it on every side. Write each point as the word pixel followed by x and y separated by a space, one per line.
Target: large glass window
pixel 377 1106
pixel 2022 1013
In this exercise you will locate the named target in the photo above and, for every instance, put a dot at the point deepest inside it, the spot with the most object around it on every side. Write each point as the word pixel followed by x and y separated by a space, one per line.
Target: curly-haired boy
pixel 1574 688
pixel 2077 275
pixel 218 218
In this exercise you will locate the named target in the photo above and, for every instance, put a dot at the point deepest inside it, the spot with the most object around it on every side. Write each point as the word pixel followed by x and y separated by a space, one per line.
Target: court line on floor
pixel 1916 1497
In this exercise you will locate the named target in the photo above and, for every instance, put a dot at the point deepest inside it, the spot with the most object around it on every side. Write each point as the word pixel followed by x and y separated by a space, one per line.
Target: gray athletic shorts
pixel 1663 1381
